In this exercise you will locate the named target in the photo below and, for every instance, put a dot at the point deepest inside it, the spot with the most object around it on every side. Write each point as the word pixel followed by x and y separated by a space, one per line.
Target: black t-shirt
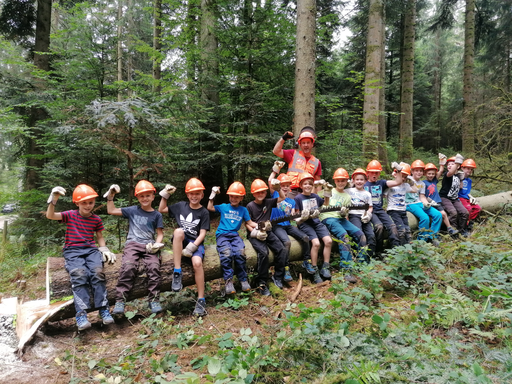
pixel 450 187
pixel 261 212
pixel 191 220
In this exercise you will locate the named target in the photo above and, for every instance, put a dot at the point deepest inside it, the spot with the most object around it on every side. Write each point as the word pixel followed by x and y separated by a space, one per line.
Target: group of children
pixel 342 218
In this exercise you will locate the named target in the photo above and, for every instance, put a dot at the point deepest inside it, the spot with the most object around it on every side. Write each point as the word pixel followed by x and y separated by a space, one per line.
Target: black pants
pixel 282 232
pixel 261 249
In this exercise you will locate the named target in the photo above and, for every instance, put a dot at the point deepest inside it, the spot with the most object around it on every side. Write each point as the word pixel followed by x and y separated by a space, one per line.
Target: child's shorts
pixel 200 250
pixel 314 230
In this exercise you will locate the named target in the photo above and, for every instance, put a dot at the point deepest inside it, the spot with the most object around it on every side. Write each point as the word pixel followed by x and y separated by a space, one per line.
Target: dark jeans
pixel 133 252
pixel 282 231
pixel 367 229
pixel 402 225
pixel 231 248
pixel 85 268
pixel 261 249
pixel 457 214
pixel 381 220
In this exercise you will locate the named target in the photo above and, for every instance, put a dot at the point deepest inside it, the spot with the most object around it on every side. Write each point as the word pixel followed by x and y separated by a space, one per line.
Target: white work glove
pixel 215 192
pixel 276 185
pixel 442 159
pixel 410 180
pixel 427 205
pixel 108 256
pixel 321 183
pixel 344 212
pixel 154 247
pixel 327 190
pixel 56 193
pixel 189 250
pixel 366 217
pixel 461 175
pixel 396 166
pixel 258 234
pixel 314 214
pixel 167 191
pixel 114 188
pixel 304 216
pixel 472 200
pixel 350 183
pixel 432 202
pixel 459 159
pixel 277 166
pixel 267 226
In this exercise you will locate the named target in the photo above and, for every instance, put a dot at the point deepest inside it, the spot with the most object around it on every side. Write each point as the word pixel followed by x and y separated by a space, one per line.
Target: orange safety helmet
pixel 306 135
pixel 340 173
pixel 194 185
pixel 450 159
pixel 236 189
pixel 418 164
pixel 258 185
pixel 83 192
pixel 304 176
pixel 469 163
pixel 359 171
pixel 284 178
pixel 144 186
pixel 406 168
pixel 374 166
pixel 430 167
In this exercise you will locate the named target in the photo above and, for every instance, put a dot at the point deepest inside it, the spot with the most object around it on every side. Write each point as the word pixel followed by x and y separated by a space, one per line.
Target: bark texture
pixel 468 126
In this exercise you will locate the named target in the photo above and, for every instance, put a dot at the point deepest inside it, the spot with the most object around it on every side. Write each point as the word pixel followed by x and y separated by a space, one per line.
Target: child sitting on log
pixel 230 246
pixel 468 201
pixel 141 244
pixel 83 260
pixel 194 221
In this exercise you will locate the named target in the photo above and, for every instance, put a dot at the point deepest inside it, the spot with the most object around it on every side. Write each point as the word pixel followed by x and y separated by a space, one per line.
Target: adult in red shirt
pixel 299 160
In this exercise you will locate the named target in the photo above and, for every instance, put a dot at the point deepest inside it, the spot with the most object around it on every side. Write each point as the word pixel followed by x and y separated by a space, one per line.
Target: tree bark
pixel 383 151
pixel 468 125
pixel 305 65
pixel 119 47
pixel 157 45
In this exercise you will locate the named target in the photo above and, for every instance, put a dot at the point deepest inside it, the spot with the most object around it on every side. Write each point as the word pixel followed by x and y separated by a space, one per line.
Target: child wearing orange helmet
pixel 230 246
pixel 468 201
pixel 143 242
pixel 82 259
pixel 193 222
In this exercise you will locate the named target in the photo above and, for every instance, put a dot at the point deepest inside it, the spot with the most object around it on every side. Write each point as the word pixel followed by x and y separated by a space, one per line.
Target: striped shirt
pixel 80 230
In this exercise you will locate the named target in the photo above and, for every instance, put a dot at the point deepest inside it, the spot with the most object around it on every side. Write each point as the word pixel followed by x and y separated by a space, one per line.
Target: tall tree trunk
pixel 407 93
pixel 37 113
pixel 468 124
pixel 119 47
pixel 157 45
pixel 304 99
pixel 436 138
pixel 129 47
pixel 191 32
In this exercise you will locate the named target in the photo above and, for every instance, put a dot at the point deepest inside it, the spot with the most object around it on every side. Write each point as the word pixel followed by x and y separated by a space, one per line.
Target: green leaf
pixel 214 366
pixel 91 364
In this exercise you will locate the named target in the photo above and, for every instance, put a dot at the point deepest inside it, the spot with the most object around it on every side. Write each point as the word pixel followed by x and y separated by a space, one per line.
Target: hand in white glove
pixel 350 184
pixel 167 191
pixel 154 247
pixel 459 159
pixel 314 214
pixel 108 256
pixel 432 202
pixel 411 181
pixel 114 188
pixel 442 159
pixel 56 193
pixel 304 216
pixel 461 175
pixel 189 250
pixel 327 189
pixel 396 166
pixel 215 192
pixel 267 225
pixel 276 185
pixel 258 234
pixel 366 217
pixel 472 200
pixel 344 212
pixel 427 205
pixel 277 166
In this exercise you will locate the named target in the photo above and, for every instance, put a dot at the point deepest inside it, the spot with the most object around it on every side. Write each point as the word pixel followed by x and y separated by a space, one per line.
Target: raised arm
pixel 109 195
pixel 278 148
pixel 52 201
pixel 166 194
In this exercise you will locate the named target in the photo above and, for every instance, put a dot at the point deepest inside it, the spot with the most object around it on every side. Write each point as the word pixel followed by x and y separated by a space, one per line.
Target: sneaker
pixel 452 231
pixel 278 283
pixel 81 321
pixel 118 308
pixel 308 267
pixel 324 272
pixel 465 233
pixel 316 278
pixel 350 278
pixel 246 287
pixel 287 275
pixel 263 290
pixel 106 316
pixel 230 288
pixel 435 243
pixel 176 282
pixel 200 309
pixel 155 307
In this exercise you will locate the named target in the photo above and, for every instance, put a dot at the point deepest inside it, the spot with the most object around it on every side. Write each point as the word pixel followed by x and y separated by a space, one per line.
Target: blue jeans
pixel 85 268
pixel 342 229
pixel 427 231
pixel 231 248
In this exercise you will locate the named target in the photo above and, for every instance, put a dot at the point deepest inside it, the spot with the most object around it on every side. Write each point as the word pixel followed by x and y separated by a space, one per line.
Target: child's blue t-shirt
pixel 377 190
pixel 431 190
pixel 284 208
pixel 230 218
pixel 465 189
